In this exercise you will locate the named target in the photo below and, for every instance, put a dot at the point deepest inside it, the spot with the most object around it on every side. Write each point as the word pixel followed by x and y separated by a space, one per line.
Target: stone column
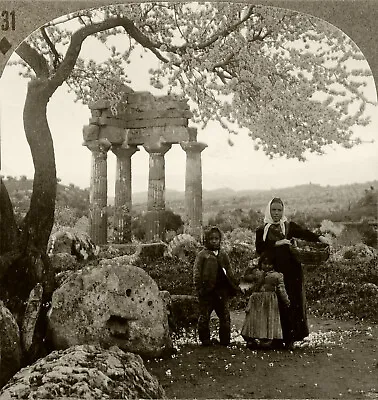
pixel 98 192
pixel 193 187
pixel 155 218
pixel 122 201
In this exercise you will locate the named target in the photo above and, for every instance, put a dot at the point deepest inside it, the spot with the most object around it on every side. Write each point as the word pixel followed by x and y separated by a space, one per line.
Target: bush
pixel 369 234
pixel 185 311
pixel 173 275
pixel 173 223
pixel 343 289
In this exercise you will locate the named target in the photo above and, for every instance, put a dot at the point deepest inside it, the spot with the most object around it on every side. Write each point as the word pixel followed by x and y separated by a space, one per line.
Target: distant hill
pixel 311 198
pixel 71 196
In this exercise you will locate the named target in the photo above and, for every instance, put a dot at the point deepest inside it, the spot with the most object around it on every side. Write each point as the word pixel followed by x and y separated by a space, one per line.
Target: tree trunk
pixel 29 264
pixel 8 231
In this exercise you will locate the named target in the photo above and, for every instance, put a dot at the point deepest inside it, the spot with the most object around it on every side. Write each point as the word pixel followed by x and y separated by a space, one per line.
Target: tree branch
pixel 225 62
pixel 226 31
pixel 57 56
pixel 34 59
pixel 221 34
pixel 78 37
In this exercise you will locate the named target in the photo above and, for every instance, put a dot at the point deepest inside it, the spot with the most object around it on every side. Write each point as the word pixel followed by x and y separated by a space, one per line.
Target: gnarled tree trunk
pixel 23 259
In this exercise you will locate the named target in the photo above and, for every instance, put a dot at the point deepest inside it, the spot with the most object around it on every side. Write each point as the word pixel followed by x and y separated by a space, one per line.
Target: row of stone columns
pixel 155 223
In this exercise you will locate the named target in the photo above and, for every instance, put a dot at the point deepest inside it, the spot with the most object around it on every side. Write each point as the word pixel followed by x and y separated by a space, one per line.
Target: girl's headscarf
pixel 268 220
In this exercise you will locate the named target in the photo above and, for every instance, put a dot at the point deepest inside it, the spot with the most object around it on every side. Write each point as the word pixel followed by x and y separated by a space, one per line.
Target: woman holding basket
pixel 276 237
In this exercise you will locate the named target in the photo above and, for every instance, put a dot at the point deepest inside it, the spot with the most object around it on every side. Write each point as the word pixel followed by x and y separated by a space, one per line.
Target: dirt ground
pixel 339 360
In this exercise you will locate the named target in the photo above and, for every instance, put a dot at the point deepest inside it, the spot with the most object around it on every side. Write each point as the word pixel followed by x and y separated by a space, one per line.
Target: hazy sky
pixel 238 167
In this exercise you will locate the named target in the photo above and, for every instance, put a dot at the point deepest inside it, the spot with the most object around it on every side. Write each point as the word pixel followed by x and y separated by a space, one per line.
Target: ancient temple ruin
pixel 156 123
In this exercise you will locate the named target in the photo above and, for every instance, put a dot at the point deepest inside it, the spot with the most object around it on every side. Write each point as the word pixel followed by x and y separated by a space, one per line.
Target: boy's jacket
pixel 206 269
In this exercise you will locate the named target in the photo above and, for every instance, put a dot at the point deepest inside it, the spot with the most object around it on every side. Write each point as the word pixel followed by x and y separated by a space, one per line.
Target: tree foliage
pixel 294 82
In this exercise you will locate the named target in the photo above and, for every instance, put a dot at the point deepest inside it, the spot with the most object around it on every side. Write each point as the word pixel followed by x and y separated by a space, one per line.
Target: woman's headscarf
pixel 268 220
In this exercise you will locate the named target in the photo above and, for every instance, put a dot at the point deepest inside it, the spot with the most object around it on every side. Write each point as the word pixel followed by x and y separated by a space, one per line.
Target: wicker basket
pixel 310 253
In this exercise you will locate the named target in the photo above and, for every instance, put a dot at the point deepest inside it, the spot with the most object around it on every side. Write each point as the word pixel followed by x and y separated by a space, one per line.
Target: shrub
pixel 348 237
pixel 185 311
pixel 369 234
pixel 173 222
pixel 173 275
pixel 342 289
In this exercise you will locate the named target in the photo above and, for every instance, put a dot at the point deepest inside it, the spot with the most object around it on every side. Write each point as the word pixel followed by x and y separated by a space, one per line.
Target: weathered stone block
pixel 158 105
pixel 71 241
pixel 63 262
pixel 96 121
pixel 171 134
pixel 99 104
pixel 91 132
pixel 150 123
pixel 111 304
pixel 97 113
pixel 31 315
pixel 10 347
pixel 151 114
pixel 115 135
pixel 140 97
pixel 142 123
pixel 85 372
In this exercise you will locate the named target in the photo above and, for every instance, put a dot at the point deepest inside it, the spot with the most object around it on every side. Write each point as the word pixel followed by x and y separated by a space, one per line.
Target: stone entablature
pixel 156 123
pixel 143 118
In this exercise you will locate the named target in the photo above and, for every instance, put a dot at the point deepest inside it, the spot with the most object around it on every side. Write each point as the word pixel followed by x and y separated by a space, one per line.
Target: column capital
pixel 193 147
pixel 157 147
pixel 100 146
pixel 124 152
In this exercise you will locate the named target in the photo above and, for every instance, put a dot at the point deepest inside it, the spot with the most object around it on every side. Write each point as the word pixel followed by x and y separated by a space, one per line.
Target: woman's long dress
pixel 294 322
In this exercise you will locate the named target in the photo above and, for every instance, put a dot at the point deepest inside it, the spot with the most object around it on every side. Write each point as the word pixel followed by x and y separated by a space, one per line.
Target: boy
pixel 214 285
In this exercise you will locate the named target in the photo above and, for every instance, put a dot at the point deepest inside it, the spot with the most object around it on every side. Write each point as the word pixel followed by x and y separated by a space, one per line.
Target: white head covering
pixel 268 220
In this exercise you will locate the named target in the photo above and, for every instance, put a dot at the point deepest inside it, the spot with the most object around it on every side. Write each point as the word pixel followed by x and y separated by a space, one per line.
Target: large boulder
pixel 63 262
pixel 112 305
pixel 10 348
pixel 183 246
pixel 72 241
pixel 85 372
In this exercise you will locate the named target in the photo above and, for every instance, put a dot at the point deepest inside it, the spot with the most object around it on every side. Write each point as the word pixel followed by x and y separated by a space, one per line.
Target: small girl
pixel 262 322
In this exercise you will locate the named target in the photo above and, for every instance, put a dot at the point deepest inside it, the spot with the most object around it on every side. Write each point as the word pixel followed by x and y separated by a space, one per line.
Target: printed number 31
pixel 8 20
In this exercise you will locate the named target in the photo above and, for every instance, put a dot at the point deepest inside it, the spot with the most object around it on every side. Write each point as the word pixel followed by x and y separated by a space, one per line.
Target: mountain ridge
pixel 225 192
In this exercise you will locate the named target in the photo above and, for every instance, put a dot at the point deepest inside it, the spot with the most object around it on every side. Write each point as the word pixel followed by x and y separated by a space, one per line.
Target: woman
pixel 274 238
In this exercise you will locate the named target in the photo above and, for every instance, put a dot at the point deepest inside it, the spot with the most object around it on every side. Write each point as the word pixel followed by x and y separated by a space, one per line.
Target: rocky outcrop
pixel 183 246
pixel 10 348
pixel 85 372
pixel 71 241
pixel 29 322
pixel 63 262
pixel 111 305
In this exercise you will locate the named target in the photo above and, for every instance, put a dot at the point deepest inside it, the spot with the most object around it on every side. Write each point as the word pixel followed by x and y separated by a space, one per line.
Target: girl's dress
pixel 262 320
